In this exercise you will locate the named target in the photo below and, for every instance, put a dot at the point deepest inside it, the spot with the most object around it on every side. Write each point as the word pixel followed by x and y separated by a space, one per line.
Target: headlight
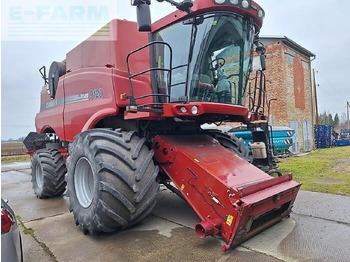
pixel 194 110
pixel 234 2
pixel 183 109
pixel 261 13
pixel 220 2
pixel 245 4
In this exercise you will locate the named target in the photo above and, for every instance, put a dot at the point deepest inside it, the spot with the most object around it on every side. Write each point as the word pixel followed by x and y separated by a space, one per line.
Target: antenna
pixel 185 5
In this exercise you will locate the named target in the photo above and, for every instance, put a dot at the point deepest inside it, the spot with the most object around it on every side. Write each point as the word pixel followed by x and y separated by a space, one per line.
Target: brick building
pixel 288 77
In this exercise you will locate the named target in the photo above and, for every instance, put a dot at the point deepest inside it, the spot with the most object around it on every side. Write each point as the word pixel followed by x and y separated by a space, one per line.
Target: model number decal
pixel 96 94
pixel 92 95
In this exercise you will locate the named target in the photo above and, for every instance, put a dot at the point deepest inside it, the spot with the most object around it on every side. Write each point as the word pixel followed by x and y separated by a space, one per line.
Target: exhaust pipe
pixel 205 228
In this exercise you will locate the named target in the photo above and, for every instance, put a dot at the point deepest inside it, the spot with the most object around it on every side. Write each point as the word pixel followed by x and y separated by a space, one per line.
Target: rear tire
pixel 111 180
pixel 232 143
pixel 48 173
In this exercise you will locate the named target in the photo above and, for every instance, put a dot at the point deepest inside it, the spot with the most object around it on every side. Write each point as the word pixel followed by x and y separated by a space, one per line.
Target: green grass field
pixel 324 170
pixel 11 159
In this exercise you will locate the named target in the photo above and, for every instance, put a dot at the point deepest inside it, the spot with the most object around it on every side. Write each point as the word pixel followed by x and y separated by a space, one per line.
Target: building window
pixel 290 59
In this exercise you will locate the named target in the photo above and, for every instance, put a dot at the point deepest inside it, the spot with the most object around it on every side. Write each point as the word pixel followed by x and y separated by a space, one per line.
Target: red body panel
pixel 141 85
pixel 51 112
pixel 96 67
pixel 98 51
pixel 222 188
pixel 81 106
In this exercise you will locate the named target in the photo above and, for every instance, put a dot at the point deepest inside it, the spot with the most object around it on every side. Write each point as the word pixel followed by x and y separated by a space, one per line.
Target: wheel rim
pixel 84 182
pixel 39 175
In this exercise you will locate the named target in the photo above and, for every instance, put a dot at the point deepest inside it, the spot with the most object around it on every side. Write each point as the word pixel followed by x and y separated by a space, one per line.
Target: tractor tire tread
pixel 232 143
pixel 53 173
pixel 126 180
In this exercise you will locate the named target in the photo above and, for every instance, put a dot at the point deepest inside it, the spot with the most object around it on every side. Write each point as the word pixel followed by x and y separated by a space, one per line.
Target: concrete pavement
pixel 318 230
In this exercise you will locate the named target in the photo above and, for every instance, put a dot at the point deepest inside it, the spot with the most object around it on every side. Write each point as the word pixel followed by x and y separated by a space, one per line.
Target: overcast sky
pixel 320 26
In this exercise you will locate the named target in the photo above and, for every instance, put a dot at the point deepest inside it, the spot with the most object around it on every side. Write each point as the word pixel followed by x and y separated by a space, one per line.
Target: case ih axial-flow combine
pixel 121 116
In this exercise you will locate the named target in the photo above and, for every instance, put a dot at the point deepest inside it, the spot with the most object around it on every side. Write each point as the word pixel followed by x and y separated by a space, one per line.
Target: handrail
pixel 177 84
pixel 132 98
pixel 145 96
pixel 258 101
pixel 149 70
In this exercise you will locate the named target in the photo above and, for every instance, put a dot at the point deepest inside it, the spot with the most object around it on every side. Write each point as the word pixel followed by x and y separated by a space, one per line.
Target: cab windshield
pixel 211 59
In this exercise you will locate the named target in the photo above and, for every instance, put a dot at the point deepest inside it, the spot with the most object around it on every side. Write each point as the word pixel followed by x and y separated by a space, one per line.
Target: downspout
pixel 312 105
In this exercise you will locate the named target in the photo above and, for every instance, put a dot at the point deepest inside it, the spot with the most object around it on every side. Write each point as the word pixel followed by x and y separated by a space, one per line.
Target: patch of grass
pixel 11 159
pixel 324 170
pixel 29 231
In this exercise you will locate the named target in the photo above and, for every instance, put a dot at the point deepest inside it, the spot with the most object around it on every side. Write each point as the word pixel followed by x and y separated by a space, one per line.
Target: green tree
pixel 323 118
pixel 336 120
pixel 330 120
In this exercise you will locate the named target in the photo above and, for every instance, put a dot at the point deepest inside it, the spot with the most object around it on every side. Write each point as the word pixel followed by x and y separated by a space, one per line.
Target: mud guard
pixel 35 141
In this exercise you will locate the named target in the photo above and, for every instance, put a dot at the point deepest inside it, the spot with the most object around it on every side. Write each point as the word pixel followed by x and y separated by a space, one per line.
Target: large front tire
pixel 48 173
pixel 111 180
pixel 232 143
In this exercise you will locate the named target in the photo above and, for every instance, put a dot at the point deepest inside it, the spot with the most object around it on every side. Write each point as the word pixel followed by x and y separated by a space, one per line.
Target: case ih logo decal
pixel 92 95
pixel 52 103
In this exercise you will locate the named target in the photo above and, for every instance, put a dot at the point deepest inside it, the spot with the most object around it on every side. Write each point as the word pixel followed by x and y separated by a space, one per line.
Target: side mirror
pixel 143 14
pixel 259 63
pixel 261 50
pixel 263 62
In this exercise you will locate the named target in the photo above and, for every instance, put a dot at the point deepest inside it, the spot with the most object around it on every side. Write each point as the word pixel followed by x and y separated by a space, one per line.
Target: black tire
pixel 123 187
pixel 48 173
pixel 232 143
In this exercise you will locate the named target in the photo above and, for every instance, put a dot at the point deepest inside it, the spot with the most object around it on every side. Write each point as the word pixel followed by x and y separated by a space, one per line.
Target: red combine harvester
pixel 123 114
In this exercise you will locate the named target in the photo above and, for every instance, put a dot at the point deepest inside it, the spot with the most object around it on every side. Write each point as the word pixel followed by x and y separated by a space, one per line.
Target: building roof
pixel 290 43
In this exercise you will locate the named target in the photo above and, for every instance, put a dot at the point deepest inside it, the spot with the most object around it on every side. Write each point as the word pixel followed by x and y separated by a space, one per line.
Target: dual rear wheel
pixel 48 173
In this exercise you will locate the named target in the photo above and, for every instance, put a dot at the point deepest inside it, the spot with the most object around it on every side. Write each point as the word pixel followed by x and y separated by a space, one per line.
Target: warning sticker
pixel 229 220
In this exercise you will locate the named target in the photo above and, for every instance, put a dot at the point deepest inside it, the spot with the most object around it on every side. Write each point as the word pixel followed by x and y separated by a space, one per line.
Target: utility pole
pixel 315 96
pixel 348 113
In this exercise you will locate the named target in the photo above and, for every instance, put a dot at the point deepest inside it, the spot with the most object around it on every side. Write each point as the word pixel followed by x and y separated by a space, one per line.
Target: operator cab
pixel 211 59
pixel 204 56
